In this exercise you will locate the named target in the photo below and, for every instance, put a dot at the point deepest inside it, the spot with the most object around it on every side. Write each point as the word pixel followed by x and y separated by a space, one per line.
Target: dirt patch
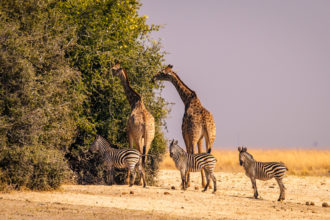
pixel 232 201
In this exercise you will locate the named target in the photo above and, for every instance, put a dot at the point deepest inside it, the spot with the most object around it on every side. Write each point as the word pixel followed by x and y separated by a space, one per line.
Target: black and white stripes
pixel 119 158
pixel 192 163
pixel 262 171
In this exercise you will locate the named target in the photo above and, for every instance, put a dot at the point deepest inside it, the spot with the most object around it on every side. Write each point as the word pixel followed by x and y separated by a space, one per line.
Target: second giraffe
pixel 197 122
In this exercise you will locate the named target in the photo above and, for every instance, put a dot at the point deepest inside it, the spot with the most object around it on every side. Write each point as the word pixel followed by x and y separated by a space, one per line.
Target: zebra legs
pixel 282 189
pixel 207 174
pixel 110 176
pixel 131 177
pixel 214 182
pixel 184 178
pixel 142 174
pixel 254 186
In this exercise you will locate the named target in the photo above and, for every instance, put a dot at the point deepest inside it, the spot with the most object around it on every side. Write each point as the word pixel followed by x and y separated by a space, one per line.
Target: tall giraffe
pixel 197 122
pixel 140 124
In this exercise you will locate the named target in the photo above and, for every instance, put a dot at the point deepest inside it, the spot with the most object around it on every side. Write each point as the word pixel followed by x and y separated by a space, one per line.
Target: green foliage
pixel 38 94
pixel 56 91
pixel 37 83
pixel 109 30
pixel 32 167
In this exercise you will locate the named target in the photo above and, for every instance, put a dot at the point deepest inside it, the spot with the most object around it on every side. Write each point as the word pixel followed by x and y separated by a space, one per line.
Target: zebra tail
pixel 284 165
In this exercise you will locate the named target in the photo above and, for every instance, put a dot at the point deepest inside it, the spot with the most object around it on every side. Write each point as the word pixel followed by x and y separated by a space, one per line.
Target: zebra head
pixel 174 148
pixel 95 146
pixel 99 144
pixel 244 155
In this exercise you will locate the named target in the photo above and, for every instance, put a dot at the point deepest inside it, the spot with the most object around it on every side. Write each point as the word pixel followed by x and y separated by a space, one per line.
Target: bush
pixel 32 167
pixel 106 31
pixel 56 89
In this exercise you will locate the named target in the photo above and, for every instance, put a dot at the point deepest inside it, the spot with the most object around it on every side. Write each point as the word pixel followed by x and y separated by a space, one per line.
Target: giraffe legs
pixel 189 150
pixel 200 149
pixel 149 135
pixel 131 144
pixel 209 144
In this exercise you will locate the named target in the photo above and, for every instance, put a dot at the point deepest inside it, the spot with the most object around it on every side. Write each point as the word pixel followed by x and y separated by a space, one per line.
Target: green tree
pixel 56 91
pixel 109 30
pixel 38 93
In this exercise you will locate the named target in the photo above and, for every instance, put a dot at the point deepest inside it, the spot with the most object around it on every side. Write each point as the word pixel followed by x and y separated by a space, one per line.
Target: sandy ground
pixel 233 200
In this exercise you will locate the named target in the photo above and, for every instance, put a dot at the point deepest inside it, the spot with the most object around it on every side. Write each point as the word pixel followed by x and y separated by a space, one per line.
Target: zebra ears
pixel 174 142
pixel 242 149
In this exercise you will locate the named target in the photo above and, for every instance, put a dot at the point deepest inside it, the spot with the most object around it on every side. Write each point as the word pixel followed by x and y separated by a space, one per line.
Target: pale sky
pixel 261 67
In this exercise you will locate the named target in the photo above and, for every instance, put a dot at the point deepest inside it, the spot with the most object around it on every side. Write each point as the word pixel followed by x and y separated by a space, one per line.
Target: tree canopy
pixel 56 91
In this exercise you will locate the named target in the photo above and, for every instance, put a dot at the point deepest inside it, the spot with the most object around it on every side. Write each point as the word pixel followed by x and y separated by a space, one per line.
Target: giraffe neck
pixel 185 93
pixel 133 97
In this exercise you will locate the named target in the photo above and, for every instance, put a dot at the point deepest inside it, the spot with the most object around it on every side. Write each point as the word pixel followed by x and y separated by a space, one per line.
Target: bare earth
pixel 233 200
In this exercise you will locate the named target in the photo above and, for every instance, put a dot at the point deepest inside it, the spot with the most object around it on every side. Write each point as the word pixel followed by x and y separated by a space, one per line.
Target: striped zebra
pixel 119 158
pixel 192 163
pixel 262 171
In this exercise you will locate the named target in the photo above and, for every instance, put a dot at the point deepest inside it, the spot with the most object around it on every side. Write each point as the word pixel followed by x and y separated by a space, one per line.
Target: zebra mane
pixel 248 155
pixel 103 144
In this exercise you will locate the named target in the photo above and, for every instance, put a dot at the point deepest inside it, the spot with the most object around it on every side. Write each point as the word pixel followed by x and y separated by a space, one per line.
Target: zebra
pixel 119 158
pixel 262 171
pixel 192 163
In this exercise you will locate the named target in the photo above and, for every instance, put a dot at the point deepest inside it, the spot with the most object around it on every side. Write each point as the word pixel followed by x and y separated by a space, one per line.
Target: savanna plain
pixel 307 183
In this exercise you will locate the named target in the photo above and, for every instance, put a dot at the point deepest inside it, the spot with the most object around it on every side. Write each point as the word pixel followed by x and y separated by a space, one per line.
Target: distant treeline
pixel 56 91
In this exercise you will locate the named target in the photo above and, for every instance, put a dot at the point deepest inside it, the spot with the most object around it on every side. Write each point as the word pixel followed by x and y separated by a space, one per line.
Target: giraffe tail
pixel 144 156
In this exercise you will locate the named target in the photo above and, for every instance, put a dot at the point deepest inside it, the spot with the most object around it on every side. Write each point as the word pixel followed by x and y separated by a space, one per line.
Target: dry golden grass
pixel 299 162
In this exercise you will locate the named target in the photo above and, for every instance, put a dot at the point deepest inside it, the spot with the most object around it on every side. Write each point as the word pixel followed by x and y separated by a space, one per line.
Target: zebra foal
pixel 119 158
pixel 192 163
pixel 262 171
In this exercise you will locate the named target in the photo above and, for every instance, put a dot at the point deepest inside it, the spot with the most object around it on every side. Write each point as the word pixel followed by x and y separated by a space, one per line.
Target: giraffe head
pixel 164 74
pixel 117 70
pixel 244 155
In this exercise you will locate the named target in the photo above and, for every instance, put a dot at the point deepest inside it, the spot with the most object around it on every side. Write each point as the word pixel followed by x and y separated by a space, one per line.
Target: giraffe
pixel 141 123
pixel 197 122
